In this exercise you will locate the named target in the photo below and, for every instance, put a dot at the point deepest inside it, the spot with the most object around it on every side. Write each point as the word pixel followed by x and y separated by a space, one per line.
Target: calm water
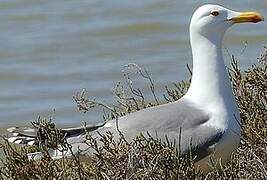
pixel 51 49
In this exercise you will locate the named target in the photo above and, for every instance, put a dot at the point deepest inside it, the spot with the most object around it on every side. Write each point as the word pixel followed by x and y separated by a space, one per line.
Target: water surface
pixel 51 49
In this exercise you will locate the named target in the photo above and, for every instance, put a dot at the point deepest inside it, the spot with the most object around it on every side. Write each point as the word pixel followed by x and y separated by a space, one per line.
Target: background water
pixel 51 49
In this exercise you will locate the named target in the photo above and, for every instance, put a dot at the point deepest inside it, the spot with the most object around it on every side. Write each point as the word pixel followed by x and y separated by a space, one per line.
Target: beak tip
pixel 259 18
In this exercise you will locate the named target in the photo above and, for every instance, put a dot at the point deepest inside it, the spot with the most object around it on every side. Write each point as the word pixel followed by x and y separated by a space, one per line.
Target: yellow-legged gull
pixel 207 114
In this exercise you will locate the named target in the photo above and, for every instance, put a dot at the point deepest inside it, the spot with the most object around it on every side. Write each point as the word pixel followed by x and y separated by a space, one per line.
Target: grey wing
pixel 200 142
pixel 166 121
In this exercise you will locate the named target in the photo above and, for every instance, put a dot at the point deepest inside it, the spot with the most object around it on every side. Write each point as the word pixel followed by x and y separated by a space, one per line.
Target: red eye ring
pixel 215 13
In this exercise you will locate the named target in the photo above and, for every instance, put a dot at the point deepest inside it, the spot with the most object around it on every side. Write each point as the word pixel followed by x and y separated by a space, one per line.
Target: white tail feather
pixel 12 139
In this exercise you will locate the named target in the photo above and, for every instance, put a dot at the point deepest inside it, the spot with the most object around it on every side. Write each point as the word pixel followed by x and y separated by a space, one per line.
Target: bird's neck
pixel 210 85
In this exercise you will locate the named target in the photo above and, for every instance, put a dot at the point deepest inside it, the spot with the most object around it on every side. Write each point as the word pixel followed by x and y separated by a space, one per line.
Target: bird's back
pixel 176 120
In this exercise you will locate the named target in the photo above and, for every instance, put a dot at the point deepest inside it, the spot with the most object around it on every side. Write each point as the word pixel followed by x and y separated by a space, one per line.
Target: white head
pixel 210 83
pixel 214 19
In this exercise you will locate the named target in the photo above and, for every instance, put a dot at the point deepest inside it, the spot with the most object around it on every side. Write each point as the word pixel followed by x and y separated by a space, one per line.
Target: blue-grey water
pixel 51 49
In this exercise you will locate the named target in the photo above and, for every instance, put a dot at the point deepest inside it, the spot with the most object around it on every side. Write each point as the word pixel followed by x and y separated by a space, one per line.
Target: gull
pixel 207 115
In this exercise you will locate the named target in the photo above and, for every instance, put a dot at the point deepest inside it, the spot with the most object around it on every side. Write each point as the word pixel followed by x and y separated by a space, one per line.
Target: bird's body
pixel 176 120
pixel 207 115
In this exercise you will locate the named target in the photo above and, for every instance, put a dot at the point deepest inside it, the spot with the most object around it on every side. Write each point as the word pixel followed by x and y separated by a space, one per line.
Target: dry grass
pixel 148 158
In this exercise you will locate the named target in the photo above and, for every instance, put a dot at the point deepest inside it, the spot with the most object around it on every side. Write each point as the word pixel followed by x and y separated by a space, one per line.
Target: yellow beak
pixel 248 17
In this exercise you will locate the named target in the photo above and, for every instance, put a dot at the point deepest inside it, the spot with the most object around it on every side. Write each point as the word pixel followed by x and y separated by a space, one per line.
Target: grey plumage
pixel 166 120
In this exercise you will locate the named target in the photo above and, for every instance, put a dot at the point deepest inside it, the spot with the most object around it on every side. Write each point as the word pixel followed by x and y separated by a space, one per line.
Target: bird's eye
pixel 215 13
